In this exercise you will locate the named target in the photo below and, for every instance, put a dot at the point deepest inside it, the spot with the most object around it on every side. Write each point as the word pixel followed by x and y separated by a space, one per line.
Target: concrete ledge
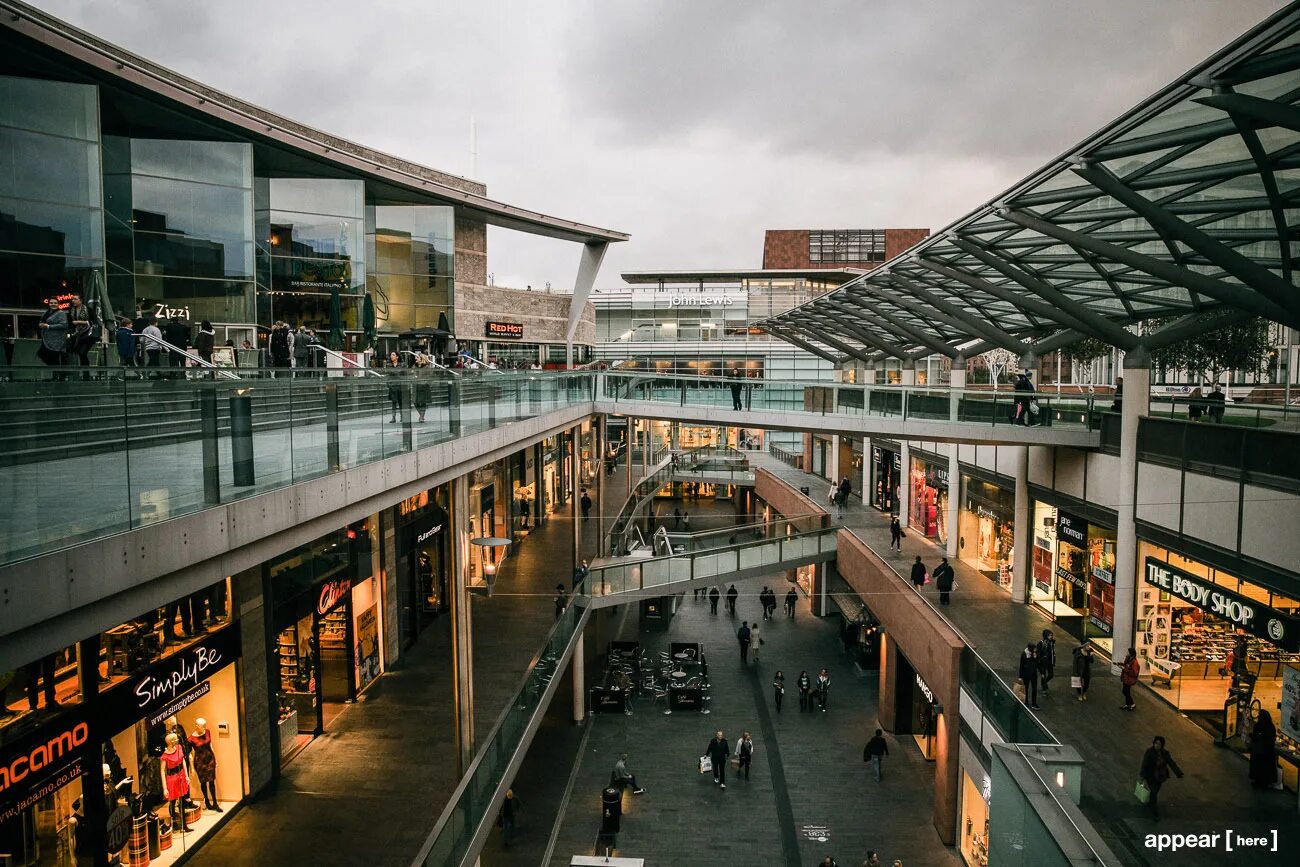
pixel 52 601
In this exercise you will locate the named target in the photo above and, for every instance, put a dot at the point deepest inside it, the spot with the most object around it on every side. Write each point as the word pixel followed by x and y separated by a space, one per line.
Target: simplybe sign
pixel 1254 617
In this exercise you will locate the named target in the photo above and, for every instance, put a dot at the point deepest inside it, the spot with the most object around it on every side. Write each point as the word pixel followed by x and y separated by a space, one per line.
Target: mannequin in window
pixel 205 763
pixel 176 781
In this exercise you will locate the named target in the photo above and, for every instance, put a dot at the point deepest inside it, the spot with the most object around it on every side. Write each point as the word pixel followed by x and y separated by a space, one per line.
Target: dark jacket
pixel 125 338
pixel 1028 666
pixel 791 598
pixel 742 635
pixel 918 573
pixel 203 343
pixel 1082 664
pixel 805 683
pixel 875 747
pixel 732 594
pixel 718 750
pixel 279 343
pixel 1153 772
pixel 177 333
pixel 1046 651
pixel 943 576
pixel 714 595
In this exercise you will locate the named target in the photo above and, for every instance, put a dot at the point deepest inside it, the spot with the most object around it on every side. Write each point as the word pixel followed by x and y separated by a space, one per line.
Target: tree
pixel 1084 353
pixel 1219 348
pixel 997 361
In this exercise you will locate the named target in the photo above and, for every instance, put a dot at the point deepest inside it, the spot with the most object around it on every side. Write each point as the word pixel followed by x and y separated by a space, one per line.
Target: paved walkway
pixel 808 768
pixel 1215 793
pixel 369 790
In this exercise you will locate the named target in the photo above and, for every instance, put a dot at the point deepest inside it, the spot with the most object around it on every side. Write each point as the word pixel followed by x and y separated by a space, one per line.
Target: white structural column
pixel 579 681
pixel 956 382
pixel 593 253
pixel 1136 403
pixel 905 484
pixel 833 460
pixel 907 376
pixel 462 620
pixel 602 478
pixel 1024 532
pixel 575 495
pixel 866 471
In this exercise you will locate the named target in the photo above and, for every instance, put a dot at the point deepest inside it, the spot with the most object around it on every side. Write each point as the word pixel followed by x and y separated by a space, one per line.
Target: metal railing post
pixel 332 427
pixel 211 449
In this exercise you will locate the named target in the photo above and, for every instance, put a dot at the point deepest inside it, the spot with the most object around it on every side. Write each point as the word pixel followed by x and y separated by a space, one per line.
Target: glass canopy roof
pixel 1185 209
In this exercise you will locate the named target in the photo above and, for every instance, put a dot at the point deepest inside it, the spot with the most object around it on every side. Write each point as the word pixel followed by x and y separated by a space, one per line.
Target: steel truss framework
pixel 1187 205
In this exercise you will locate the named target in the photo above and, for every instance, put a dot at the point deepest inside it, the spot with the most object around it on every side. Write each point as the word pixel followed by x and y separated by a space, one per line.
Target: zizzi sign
pixel 162 311
pixel 160 686
pixel 1281 629
pixel 506 330
pixel 331 594
pixel 33 767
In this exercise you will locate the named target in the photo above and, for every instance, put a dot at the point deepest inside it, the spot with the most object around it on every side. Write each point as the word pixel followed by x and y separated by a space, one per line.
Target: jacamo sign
pixel 505 330
pixel 167 682
pixel 46 760
pixel 1247 614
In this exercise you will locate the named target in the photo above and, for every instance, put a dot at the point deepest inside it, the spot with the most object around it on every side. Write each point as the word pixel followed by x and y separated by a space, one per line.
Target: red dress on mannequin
pixel 175 776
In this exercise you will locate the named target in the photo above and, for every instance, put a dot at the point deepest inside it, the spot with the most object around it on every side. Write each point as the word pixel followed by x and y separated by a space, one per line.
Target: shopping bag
pixel 1019 689
pixel 1076 683
pixel 1141 792
pixel 735 762
pixel 706 764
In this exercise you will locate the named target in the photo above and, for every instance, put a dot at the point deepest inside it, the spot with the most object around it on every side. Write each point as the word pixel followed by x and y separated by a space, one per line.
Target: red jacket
pixel 1128 673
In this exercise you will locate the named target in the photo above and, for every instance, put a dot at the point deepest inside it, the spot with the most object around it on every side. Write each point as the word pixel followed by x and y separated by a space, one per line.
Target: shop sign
pixel 428 534
pixel 875 454
pixel 898 462
pixel 1072 529
pixel 701 300
pixel 505 330
pixel 1103 574
pixel 46 760
pixel 815 833
pixel 332 592
pixel 986 512
pixel 163 684
pixel 1290 705
pixel 1279 628
pixel 162 311
pixel 925 689
pixel 63 300
pixel 180 704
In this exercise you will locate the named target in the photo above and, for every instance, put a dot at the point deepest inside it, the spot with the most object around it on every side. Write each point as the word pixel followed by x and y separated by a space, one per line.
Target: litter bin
pixel 611 810
pixel 804 490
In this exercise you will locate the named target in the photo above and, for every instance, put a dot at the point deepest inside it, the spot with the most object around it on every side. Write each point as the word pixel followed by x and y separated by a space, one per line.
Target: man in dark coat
pixel 742 635
pixel 944 578
pixel 875 751
pixel 1046 651
pixel 731 600
pixel 918 573
pixel 1156 765
pixel 1029 674
pixel 177 333
pixel 714 596
pixel 719 752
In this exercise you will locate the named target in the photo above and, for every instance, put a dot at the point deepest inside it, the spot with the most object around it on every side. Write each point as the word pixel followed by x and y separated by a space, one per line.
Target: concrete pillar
pixel 1136 403
pixel 869 373
pixel 628 442
pixel 833 460
pixel 1024 535
pixel 956 382
pixel 887 706
pixel 907 375
pixel 579 677
pixel 866 470
pixel 462 623
pixel 575 481
pixel 602 448
pixel 905 484
pixel 248 603
pixel 386 552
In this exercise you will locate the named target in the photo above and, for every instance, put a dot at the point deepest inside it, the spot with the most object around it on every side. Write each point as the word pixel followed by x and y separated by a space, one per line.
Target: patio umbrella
pixel 443 325
pixel 96 296
pixel 368 319
pixel 336 320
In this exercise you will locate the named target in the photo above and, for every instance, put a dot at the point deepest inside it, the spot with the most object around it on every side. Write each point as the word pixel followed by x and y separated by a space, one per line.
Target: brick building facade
pixel 793 248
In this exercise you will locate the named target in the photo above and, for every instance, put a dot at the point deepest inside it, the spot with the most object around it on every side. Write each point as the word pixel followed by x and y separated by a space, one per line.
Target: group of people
pixel 945 578
pixel 1037 668
pixel 1206 405
pixel 839 495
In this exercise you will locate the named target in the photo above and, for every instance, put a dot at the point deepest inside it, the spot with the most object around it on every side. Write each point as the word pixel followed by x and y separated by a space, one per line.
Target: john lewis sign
pixel 1247 614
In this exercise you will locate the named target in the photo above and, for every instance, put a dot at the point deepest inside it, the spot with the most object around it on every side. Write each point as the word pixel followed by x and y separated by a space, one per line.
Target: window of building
pixel 846 245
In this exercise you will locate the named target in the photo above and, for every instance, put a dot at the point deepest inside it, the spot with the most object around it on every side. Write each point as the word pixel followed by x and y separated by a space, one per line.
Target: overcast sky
pixel 692 125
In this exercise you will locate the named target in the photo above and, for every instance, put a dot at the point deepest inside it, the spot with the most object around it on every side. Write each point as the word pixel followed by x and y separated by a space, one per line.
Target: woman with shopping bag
pixel 1157 764
pixel 1082 670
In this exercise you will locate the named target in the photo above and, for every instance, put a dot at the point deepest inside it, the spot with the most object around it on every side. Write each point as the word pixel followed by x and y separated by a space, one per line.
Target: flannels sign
pixel 1279 628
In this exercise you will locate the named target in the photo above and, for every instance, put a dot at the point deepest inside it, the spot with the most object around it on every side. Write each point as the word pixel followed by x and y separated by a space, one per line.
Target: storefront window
pixel 928 506
pixel 37 688
pixel 1074 574
pixel 1204 635
pixel 987 529
pixel 886 469
pixel 162 632
pixel 422 559
pixel 974 844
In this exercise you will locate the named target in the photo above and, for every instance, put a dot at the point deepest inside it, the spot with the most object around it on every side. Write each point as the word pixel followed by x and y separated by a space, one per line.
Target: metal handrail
pixel 480 365
pixel 200 361
pixel 366 371
pixel 428 358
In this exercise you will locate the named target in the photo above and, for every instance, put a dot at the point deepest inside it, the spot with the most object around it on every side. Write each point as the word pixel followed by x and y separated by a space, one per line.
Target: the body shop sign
pixel 1247 614
pixel 46 760
pixel 164 682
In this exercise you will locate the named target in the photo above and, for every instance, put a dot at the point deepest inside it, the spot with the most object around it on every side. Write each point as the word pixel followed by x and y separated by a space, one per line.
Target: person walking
pixel 736 387
pixel 1046 651
pixel 580 573
pixel 731 600
pixel 945 579
pixel 1082 670
pixel 686 522
pixel 677 518
pixel 1029 674
pixel 152 344
pixel 719 753
pixel 1024 399
pixel 778 689
pixel 177 333
pixel 124 337
pixel 1128 675
pixel 745 754
pixel 919 575
pixel 895 534
pixel 1157 764
pixel 833 496
pixel 824 689
pixel 762 601
pixel 585 502
pixel 846 488
pixel 54 334
pixel 755 642
pixel 624 777
pixel 559 600
pixel 714 596
pixel 875 752
pixel 508 809
pixel 301 347
pixel 205 340
pixel 1263 752
pixel 742 635
pixel 805 690
pixel 791 600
